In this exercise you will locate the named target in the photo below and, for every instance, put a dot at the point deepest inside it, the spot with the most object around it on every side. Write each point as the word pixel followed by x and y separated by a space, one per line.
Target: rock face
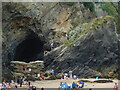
pixel 95 53
pixel 30 28
pixel 35 66
pixel 35 25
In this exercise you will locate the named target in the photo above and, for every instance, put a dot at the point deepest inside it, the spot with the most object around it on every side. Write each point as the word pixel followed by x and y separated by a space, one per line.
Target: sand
pixel 55 83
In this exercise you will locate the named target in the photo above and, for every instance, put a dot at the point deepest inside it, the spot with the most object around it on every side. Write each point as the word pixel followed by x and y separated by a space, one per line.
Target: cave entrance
pixel 31 49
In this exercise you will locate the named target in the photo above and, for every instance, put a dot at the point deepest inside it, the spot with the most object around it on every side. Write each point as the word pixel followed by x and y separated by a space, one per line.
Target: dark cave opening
pixel 31 49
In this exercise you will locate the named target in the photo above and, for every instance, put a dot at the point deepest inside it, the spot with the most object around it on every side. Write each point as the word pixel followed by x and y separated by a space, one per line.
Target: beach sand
pixel 56 83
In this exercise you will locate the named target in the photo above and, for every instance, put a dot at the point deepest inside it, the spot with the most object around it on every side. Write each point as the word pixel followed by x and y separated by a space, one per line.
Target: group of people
pixel 79 84
pixel 68 75
pixel 19 83
pixel 5 85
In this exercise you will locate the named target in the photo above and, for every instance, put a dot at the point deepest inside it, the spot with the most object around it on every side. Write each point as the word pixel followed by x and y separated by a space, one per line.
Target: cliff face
pixel 95 53
pixel 30 28
pixel 38 23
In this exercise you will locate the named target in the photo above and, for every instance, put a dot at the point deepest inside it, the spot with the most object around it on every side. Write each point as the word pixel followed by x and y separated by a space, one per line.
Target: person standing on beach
pixel 70 74
pixel 21 81
pixel 116 86
pixel 29 83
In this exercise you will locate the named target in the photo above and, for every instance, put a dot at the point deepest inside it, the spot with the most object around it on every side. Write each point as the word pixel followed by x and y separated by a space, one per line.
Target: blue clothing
pixel 74 85
pixel 52 71
pixel 64 86
pixel 4 85
pixel 81 82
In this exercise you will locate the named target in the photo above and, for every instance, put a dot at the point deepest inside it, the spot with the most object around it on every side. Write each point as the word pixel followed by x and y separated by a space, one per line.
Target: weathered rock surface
pixel 36 66
pixel 95 54
pixel 30 28
pixel 41 22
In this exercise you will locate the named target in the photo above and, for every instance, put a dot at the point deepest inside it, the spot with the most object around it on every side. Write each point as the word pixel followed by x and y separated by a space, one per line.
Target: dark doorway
pixel 30 49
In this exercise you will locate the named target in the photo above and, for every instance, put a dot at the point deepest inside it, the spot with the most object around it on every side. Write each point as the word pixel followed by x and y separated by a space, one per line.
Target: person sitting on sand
pixel 61 84
pixel 42 77
pixel 116 86
pixel 74 77
pixel 28 88
pixel 74 85
pixel 16 86
pixel 80 84
pixel 42 88
pixel 33 88
pixel 64 85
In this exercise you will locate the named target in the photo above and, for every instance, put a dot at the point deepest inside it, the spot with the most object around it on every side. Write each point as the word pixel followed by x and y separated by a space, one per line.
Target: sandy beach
pixel 55 83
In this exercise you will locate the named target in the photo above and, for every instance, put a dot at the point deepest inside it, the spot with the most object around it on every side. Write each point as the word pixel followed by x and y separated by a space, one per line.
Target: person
pixel 74 77
pixel 30 70
pixel 12 81
pixel 67 36
pixel 65 77
pixel 4 85
pixel 38 75
pixel 62 77
pixel 115 86
pixel 60 84
pixel 15 86
pixel 29 83
pixel 18 80
pixel 52 71
pixel 74 85
pixel 97 77
pixel 42 76
pixel 45 52
pixel 24 67
pixel 21 82
pixel 33 88
pixel 64 85
pixel 0 85
pixel 53 45
pixel 90 89
pixel 82 83
pixel 70 74
pixel 42 88
pixel 28 88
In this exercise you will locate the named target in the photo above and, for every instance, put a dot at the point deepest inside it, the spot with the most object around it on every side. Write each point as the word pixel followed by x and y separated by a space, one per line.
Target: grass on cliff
pixel 112 10
pixel 85 28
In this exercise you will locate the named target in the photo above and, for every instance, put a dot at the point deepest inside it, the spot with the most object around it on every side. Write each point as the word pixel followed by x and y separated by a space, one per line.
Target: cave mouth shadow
pixel 31 49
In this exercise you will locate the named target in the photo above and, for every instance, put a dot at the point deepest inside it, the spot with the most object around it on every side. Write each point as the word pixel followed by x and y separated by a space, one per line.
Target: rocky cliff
pixel 30 28
pixel 94 53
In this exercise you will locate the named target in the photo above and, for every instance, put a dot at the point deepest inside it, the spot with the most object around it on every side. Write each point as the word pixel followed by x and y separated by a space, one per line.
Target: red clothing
pixel 23 67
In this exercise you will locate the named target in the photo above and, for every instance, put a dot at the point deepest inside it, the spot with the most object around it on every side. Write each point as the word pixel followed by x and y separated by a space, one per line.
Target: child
pixel 116 86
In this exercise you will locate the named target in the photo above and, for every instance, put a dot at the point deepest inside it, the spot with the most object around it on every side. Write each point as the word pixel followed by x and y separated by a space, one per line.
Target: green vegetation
pixel 75 35
pixel 113 11
pixel 110 9
pixel 68 3
pixel 89 5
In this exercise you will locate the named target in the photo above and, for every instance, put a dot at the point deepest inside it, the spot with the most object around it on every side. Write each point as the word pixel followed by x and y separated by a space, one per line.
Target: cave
pixel 30 49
